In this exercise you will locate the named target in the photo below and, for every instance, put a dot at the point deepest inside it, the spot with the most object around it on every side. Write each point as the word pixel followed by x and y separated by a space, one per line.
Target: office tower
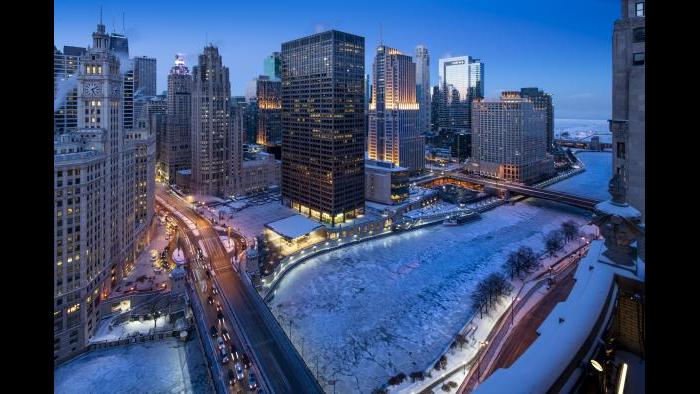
pixel 462 145
pixel 144 76
pixel 119 45
pixel 509 139
pixel 215 162
pixel 250 123
pixel 268 94
pixel 368 98
pixel 435 109
pixel 423 88
pixel 393 113
pixel 65 94
pixel 271 66
pixel 542 100
pixel 323 125
pixel 103 199
pixel 175 153
pixel 628 100
pixel 465 76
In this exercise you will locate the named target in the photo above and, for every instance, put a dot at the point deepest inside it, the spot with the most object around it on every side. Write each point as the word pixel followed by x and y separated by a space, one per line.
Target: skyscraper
pixel 423 88
pixel 215 162
pixel 268 93
pixel 628 124
pixel 103 199
pixel 465 75
pixel 509 139
pixel 65 68
pixel 393 112
pixel 119 45
pixel 175 149
pixel 542 100
pixel 144 76
pixel 323 125
pixel 271 66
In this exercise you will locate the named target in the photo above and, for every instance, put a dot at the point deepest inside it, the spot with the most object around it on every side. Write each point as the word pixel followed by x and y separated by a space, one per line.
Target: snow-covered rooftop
pixel 294 226
pixel 563 333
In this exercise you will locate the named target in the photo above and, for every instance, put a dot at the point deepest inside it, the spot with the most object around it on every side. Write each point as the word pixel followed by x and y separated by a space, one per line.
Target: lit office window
pixel 638 59
pixel 640 8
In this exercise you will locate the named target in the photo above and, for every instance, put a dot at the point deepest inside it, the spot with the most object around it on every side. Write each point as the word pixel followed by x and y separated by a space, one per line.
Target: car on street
pixel 252 382
pixel 239 371
pixel 220 343
pixel 214 331
pixel 245 360
pixel 220 316
pixel 218 307
pixel 214 290
pixel 225 335
pixel 210 300
pixel 208 274
pixel 231 377
pixel 224 356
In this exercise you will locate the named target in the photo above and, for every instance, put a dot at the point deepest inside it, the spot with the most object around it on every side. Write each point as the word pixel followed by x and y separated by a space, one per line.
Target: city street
pixel 245 312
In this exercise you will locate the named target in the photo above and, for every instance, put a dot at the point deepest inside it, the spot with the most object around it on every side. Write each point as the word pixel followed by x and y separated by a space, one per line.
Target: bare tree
pixel 528 259
pixel 553 242
pixel 512 264
pixel 569 229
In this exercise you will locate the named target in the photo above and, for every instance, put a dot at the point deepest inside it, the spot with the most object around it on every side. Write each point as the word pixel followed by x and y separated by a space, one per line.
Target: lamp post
pixel 478 367
pixel 512 309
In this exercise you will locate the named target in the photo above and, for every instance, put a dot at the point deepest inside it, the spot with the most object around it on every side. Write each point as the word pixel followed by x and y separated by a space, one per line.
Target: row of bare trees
pixel 489 291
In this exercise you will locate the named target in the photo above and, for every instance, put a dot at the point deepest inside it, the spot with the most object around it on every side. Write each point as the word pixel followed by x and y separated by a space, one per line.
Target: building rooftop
pixel 294 226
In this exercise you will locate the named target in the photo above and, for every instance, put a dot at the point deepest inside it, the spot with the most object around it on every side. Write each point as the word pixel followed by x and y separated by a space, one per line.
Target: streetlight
pixel 478 367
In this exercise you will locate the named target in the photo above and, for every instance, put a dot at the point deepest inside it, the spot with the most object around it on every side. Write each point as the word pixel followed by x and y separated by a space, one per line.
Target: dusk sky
pixel 563 47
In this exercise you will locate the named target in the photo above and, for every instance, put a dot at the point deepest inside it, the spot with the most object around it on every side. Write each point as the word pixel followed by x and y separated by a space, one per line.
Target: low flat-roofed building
pixel 385 182
pixel 260 171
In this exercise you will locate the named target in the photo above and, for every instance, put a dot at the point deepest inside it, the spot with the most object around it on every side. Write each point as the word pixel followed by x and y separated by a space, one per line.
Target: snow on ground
pixel 594 181
pixel 251 220
pixel 392 305
pixel 105 333
pixel 167 366
pixel 439 207
pixel 228 243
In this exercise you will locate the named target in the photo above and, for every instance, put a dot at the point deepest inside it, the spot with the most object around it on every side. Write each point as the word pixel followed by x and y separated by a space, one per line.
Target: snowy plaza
pixel 369 311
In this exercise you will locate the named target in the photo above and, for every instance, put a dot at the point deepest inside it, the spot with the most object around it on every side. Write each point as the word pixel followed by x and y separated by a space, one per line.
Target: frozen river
pixel 167 366
pixel 392 305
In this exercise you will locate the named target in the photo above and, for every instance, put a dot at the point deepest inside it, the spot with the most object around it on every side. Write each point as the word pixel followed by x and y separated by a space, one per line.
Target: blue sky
pixel 563 47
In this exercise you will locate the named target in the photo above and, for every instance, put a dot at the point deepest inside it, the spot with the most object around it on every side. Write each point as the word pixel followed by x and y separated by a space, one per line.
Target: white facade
pixel 103 199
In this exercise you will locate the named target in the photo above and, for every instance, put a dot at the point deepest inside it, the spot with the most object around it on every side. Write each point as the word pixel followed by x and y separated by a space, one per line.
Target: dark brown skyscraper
pixel 323 125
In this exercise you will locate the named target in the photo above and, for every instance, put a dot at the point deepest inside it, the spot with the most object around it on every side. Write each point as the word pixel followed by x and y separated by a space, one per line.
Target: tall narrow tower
pixel 176 153
pixel 393 113
pixel 423 87
pixel 215 147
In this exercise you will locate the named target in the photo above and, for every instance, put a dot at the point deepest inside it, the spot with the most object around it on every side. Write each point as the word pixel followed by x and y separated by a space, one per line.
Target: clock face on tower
pixel 92 89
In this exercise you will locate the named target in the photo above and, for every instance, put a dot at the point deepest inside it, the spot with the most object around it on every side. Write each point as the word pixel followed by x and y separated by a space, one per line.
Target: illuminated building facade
pixel 509 139
pixel 385 182
pixel 215 159
pixel 393 111
pixel 103 199
pixel 323 125
pixel 272 66
pixel 268 95
pixel 175 153
pixel 65 66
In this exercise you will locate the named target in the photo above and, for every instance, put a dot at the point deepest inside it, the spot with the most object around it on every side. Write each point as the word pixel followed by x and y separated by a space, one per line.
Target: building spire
pixel 100 14
pixel 123 24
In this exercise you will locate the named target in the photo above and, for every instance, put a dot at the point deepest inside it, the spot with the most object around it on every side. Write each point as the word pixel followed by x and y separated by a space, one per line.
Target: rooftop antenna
pixel 380 34
pixel 114 24
pixel 100 14
pixel 123 25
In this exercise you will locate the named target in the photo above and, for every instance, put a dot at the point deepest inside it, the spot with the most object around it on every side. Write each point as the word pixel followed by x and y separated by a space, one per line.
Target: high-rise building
pixel 435 102
pixel 268 94
pixel 175 153
pixel 323 125
pixel 119 45
pixel 393 112
pixel 65 67
pixel 542 100
pixel 509 139
pixel 144 76
pixel 423 88
pixel 103 199
pixel 368 98
pixel 628 101
pixel 271 66
pixel 462 81
pixel 215 157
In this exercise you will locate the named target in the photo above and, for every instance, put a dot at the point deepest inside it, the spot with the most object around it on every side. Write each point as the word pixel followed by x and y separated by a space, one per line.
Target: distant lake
pixel 581 128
